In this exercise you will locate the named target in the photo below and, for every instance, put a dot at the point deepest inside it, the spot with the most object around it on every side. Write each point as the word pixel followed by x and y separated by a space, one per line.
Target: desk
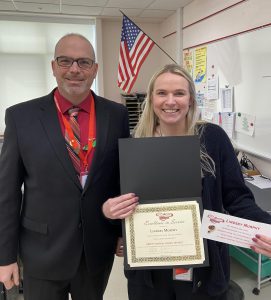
pixel 258 264
pixel 262 196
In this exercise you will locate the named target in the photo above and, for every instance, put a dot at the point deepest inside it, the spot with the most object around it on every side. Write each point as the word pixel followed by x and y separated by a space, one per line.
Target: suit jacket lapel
pixel 50 122
pixel 102 124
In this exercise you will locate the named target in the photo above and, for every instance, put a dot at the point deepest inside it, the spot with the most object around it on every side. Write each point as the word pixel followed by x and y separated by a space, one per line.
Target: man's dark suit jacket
pixel 56 219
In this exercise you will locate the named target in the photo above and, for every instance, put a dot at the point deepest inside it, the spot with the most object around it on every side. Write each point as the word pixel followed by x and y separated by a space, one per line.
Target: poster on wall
pixel 226 97
pixel 208 110
pixel 226 121
pixel 200 97
pixel 200 65
pixel 212 88
pixel 245 123
pixel 188 61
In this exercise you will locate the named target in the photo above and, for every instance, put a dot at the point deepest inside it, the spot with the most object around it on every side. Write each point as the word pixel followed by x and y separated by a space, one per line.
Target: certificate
pixel 164 235
pixel 231 230
pixel 164 231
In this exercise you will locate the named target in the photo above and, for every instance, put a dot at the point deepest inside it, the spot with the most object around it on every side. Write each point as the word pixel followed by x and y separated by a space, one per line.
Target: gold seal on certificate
pixel 164 234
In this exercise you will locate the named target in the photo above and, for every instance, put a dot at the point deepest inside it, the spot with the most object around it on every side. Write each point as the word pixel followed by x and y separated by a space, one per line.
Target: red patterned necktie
pixel 74 154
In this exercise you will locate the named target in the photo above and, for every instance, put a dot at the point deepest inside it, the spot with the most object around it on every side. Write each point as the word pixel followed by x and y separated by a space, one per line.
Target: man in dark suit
pixel 56 224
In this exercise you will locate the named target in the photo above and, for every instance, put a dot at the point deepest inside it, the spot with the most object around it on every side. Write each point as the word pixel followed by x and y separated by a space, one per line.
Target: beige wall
pixel 210 28
pixel 246 15
pixel 226 22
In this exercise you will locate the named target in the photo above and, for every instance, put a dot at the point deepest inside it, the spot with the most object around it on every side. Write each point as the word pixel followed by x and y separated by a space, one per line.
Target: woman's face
pixel 171 99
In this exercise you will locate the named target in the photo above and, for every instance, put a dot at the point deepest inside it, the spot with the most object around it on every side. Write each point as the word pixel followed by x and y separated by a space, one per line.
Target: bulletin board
pixel 244 62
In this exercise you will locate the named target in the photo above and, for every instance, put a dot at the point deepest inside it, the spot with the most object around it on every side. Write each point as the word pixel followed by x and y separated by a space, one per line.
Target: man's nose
pixel 74 67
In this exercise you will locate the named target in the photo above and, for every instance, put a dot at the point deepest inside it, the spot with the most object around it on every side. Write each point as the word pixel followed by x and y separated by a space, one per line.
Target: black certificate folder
pixel 160 167
pixel 161 171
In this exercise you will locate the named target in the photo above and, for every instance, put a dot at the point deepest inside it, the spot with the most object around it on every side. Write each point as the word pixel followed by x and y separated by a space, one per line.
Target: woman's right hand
pixel 262 244
pixel 120 207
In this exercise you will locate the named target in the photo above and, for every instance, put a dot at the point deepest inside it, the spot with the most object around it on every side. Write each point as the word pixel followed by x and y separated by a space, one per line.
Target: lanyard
pixel 83 155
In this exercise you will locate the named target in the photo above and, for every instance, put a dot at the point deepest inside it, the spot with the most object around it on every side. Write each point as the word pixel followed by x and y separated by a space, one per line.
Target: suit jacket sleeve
pixel 11 178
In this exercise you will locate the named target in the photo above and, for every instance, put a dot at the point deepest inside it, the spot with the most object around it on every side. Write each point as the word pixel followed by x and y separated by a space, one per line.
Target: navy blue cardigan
pixel 226 191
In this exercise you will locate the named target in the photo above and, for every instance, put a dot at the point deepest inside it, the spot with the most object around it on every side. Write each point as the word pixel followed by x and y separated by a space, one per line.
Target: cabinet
pixel 133 103
pixel 258 264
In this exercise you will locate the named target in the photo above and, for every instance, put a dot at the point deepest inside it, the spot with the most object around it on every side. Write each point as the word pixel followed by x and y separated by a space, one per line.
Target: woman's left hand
pixel 263 244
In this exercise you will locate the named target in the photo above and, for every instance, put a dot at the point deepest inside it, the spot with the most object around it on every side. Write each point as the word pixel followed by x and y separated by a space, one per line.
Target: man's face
pixel 74 82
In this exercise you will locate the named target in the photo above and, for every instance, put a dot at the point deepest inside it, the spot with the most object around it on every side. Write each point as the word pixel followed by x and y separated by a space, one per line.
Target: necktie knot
pixel 73 112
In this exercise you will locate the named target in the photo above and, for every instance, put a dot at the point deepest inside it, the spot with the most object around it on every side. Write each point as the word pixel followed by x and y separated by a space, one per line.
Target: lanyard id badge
pixel 82 152
pixel 183 274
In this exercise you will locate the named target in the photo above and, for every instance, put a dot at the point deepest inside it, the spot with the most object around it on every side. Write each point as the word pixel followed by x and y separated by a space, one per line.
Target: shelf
pixel 133 103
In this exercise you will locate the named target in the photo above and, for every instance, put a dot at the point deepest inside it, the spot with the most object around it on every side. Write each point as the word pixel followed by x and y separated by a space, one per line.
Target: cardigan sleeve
pixel 236 197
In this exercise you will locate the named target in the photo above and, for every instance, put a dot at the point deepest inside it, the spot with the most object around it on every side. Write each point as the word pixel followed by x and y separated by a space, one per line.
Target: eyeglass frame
pixel 77 60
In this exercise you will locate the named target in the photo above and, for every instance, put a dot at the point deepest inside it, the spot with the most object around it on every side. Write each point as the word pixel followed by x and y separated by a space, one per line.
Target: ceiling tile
pixel 38 8
pixel 128 3
pixel 147 10
pixel 39 1
pixel 6 6
pixel 81 10
pixel 96 3
pixel 114 12
pixel 156 13
pixel 169 4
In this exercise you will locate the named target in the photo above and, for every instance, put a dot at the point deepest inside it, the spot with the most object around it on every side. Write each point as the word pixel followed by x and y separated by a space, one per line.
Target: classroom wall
pixel 171 38
pixel 199 22
pixel 166 34
pixel 206 21
pixel 26 51
pixel 224 19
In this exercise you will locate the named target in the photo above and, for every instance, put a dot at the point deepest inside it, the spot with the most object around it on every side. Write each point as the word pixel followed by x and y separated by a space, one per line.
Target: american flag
pixel 135 46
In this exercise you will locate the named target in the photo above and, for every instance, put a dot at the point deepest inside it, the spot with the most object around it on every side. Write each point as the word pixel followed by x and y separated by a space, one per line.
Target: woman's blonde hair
pixel 148 121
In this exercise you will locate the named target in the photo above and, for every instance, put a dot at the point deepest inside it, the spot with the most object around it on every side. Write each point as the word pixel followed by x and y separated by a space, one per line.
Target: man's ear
pixel 96 69
pixel 53 62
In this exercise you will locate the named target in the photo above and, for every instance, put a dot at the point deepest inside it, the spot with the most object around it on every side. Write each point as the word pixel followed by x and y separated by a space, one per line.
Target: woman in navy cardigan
pixel 170 110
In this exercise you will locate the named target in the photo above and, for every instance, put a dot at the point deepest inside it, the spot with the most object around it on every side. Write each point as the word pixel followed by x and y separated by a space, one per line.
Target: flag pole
pixel 150 39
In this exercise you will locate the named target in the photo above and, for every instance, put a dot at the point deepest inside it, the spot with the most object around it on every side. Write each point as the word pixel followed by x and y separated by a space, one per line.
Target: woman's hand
pixel 120 207
pixel 263 244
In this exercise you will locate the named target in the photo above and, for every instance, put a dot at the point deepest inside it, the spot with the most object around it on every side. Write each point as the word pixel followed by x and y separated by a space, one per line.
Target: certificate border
pixel 185 258
pixel 173 260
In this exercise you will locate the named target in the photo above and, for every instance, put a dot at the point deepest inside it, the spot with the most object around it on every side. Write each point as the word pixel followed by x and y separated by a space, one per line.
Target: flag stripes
pixel 135 46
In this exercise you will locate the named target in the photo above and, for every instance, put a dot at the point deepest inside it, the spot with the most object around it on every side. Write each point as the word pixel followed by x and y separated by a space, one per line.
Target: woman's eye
pixel 180 94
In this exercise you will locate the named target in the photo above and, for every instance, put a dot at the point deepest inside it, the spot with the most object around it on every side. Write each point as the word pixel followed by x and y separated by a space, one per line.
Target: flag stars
pixel 129 33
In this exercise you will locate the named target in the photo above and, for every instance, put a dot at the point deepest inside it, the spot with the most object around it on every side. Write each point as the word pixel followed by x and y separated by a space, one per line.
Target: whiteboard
pixel 244 62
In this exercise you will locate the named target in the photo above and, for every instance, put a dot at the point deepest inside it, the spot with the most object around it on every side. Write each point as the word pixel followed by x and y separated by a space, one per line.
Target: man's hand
pixel 9 275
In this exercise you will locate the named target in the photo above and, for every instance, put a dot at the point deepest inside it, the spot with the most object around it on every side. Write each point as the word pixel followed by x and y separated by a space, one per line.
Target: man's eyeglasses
pixel 66 62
